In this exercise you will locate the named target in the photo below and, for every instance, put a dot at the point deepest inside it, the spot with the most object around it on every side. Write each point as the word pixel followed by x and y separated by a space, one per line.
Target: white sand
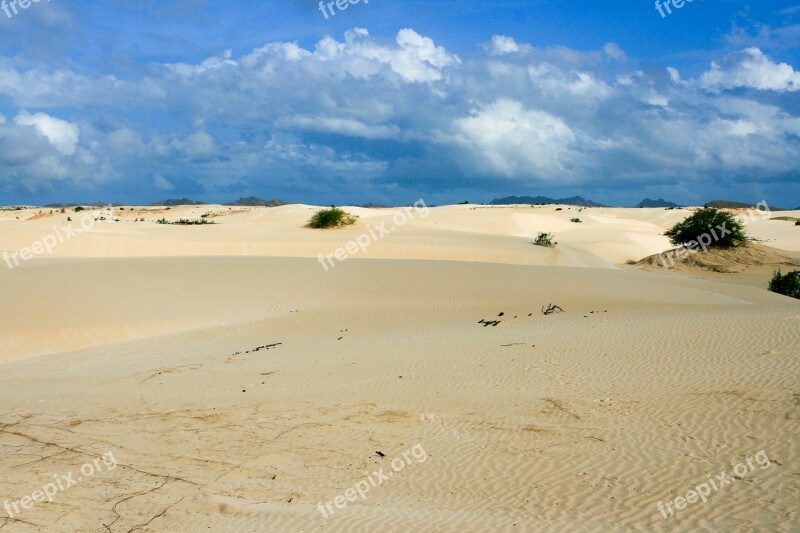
pixel 132 338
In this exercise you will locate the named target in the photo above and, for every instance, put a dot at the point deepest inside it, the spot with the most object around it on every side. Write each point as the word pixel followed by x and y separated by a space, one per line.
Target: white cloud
pixel 501 45
pixel 511 140
pixel 342 126
pixel 553 80
pixel 416 59
pixel 750 68
pixel 209 65
pixel 197 145
pixel 614 51
pixel 62 135
pixel 387 113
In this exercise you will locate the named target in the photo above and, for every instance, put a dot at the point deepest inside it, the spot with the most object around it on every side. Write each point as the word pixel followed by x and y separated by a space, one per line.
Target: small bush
pixel 707 222
pixel 559 209
pixel 575 220
pixel 185 222
pixel 79 209
pixel 630 262
pixel 544 239
pixel 331 218
pixel 797 222
pixel 786 284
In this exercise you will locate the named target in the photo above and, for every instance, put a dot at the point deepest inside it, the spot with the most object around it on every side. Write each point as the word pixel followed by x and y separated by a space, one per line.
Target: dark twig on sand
pixel 551 309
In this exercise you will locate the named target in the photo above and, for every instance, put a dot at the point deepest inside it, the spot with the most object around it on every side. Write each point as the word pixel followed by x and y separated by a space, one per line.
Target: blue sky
pixel 391 101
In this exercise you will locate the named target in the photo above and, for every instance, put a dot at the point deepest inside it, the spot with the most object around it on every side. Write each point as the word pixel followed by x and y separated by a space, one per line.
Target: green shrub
pixel 544 239
pixel 331 218
pixel 575 220
pixel 707 222
pixel 185 222
pixel 797 222
pixel 786 284
pixel 78 209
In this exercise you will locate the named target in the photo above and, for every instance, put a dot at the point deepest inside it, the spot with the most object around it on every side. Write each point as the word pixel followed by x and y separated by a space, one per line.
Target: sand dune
pixel 239 384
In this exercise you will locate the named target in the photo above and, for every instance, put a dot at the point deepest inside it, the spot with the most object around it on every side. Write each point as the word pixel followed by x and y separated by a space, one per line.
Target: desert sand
pixel 238 384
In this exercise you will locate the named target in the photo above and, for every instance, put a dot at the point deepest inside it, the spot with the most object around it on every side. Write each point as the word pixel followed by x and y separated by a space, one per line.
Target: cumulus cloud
pixel 62 135
pixel 501 45
pixel 751 69
pixel 510 140
pixel 554 80
pixel 395 115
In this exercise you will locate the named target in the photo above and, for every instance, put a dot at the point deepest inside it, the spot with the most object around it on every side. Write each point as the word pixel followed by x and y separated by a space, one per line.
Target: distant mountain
pixel 370 205
pixel 533 200
pixel 647 202
pixel 176 202
pixel 727 204
pixel 254 201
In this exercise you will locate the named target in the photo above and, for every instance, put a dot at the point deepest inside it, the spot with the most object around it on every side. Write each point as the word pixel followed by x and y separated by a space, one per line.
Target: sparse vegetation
pixel 797 222
pixel 79 209
pixel 185 222
pixel 575 220
pixel 544 239
pixel 708 222
pixel 630 262
pixel 786 284
pixel 331 218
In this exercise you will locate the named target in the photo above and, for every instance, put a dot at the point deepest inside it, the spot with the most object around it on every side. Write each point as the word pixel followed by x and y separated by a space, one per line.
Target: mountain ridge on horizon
pixel 254 201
